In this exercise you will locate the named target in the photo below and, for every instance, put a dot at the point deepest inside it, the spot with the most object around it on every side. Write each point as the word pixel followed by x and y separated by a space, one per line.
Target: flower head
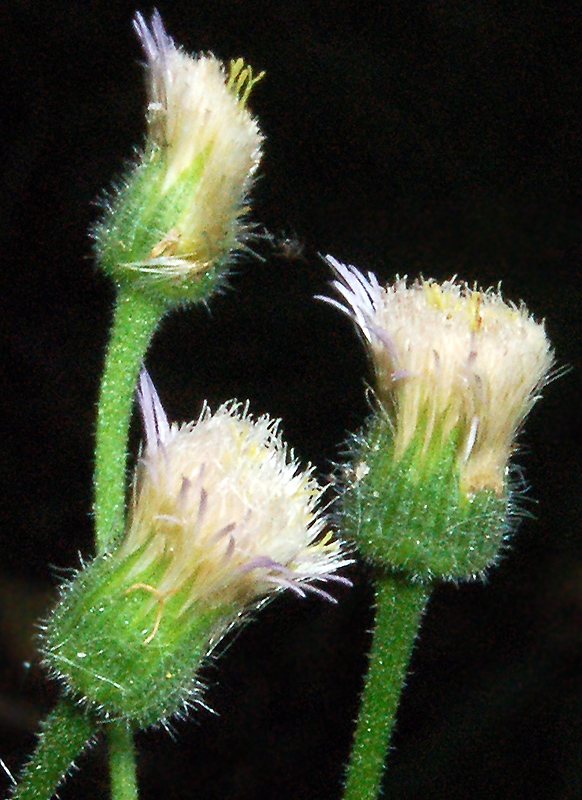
pixel 457 370
pixel 224 512
pixel 222 519
pixel 449 358
pixel 181 213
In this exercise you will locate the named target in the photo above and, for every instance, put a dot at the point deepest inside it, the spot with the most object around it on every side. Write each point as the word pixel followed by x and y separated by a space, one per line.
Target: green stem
pixel 122 764
pixel 136 318
pixel 63 736
pixel 399 608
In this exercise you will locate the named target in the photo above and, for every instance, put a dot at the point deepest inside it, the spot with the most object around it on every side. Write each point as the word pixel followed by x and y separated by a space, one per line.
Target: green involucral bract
pixel 137 229
pixel 411 514
pixel 124 650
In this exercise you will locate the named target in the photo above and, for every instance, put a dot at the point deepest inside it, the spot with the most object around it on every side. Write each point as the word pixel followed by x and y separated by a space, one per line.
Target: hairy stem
pixel 136 318
pixel 122 764
pixel 399 608
pixel 63 736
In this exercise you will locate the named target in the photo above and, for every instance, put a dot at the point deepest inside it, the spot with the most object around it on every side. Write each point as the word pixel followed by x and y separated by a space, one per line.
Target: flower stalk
pixel 399 608
pixel 122 762
pixel 136 317
pixel 64 734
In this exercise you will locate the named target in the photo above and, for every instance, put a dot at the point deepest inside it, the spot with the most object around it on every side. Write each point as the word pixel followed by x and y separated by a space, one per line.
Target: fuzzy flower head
pixel 223 512
pixel 457 370
pixel 450 361
pixel 181 213
pixel 222 519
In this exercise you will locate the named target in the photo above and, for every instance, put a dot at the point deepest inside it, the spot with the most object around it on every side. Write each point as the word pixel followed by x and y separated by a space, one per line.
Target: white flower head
pixel 182 212
pixel 223 513
pixel 222 519
pixel 450 361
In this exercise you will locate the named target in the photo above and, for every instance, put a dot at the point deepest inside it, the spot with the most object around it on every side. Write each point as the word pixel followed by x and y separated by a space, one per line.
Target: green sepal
pixel 410 513
pixel 96 643
pixel 137 217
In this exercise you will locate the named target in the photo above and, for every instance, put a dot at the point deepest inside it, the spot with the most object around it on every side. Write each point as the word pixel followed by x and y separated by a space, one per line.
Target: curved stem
pixel 122 763
pixel 399 608
pixel 64 734
pixel 136 318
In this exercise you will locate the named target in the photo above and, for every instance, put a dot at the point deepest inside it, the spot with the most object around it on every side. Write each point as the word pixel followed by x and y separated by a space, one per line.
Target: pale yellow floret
pixel 197 115
pixel 451 360
pixel 194 109
pixel 227 514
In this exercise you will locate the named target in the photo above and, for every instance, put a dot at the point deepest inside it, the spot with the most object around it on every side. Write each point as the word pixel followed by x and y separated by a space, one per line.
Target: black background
pixel 438 137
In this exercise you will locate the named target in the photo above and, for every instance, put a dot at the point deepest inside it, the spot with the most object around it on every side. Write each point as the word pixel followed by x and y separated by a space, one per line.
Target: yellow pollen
pixel 241 81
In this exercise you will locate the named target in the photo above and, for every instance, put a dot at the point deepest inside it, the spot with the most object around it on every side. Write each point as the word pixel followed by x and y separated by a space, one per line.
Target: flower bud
pixel 457 371
pixel 222 519
pixel 179 216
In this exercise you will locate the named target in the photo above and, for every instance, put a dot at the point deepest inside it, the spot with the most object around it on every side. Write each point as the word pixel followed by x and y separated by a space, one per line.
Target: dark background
pixel 407 137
